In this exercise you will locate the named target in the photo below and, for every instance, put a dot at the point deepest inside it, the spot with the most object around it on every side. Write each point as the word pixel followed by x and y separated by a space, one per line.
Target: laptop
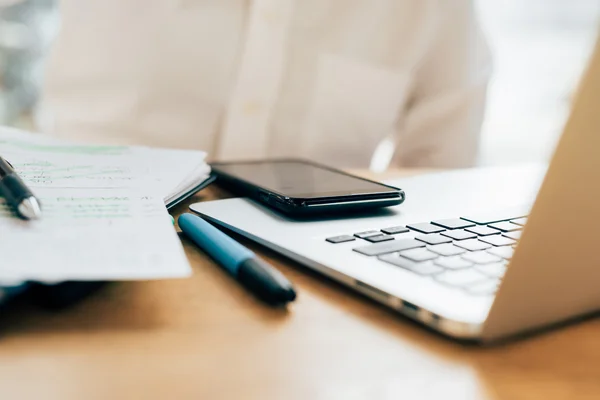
pixel 476 254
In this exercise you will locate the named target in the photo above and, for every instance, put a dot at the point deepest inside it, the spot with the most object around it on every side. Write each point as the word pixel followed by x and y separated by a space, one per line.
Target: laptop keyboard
pixel 467 253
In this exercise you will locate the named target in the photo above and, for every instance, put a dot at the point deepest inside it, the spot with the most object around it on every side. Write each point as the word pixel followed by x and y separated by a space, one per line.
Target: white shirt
pixel 329 80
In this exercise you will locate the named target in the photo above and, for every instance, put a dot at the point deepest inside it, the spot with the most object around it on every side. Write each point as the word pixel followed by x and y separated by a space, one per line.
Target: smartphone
pixel 300 188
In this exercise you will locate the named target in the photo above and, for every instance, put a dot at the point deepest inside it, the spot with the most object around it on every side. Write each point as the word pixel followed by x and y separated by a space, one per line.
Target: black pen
pixel 17 194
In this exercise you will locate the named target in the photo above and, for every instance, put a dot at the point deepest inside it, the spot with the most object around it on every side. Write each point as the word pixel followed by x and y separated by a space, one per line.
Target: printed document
pixel 103 210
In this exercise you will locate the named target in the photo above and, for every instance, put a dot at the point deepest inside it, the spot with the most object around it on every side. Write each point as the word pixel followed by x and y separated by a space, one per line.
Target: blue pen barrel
pixel 262 279
pixel 226 251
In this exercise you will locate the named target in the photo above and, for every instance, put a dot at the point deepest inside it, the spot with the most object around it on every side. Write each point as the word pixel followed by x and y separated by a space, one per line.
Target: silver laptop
pixel 474 254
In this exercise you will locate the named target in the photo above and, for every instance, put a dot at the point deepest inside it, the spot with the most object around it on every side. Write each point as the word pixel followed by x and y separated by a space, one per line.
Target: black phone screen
pixel 300 179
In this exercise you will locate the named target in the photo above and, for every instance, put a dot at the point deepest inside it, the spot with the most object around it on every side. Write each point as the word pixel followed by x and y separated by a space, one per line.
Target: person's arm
pixel 442 122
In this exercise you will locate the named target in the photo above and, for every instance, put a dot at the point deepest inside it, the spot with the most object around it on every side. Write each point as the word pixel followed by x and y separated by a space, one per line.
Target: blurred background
pixel 27 29
pixel 540 48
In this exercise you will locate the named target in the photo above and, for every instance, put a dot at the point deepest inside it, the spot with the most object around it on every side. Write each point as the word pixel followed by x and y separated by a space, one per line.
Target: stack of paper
pixel 104 210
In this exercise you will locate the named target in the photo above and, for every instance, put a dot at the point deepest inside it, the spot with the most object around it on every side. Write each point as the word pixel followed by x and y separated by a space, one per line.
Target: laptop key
pixel 418 255
pixel 340 239
pixel 362 235
pixel 459 234
pixel 520 221
pixel 483 230
pixel 516 235
pixel 446 249
pixel 453 262
pixel 425 227
pixel 505 226
pixel 481 257
pixel 495 270
pixel 472 244
pixel 394 230
pixel 392 246
pixel 455 223
pixel 378 238
pixel 497 240
pixel 503 215
pixel 505 252
pixel 434 238
pixel 421 268
pixel 462 277
pixel 488 287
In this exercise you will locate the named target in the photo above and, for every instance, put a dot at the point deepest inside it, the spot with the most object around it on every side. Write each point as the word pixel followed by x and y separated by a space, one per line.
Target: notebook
pixel 174 174
pixel 105 211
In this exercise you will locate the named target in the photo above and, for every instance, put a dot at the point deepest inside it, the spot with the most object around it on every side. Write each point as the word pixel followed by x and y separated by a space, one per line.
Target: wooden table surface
pixel 207 338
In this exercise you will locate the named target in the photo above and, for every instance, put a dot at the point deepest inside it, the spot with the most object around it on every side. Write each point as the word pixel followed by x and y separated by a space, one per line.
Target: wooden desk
pixel 207 338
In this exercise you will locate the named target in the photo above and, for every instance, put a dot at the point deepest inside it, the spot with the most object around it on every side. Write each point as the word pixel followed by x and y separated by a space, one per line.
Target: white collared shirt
pixel 330 80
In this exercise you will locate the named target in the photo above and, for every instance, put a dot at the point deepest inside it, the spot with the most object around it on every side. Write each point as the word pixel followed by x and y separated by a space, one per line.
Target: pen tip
pixel 290 295
pixel 30 208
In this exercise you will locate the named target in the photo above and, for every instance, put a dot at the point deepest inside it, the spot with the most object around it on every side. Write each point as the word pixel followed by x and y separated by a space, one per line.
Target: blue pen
pixel 258 276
